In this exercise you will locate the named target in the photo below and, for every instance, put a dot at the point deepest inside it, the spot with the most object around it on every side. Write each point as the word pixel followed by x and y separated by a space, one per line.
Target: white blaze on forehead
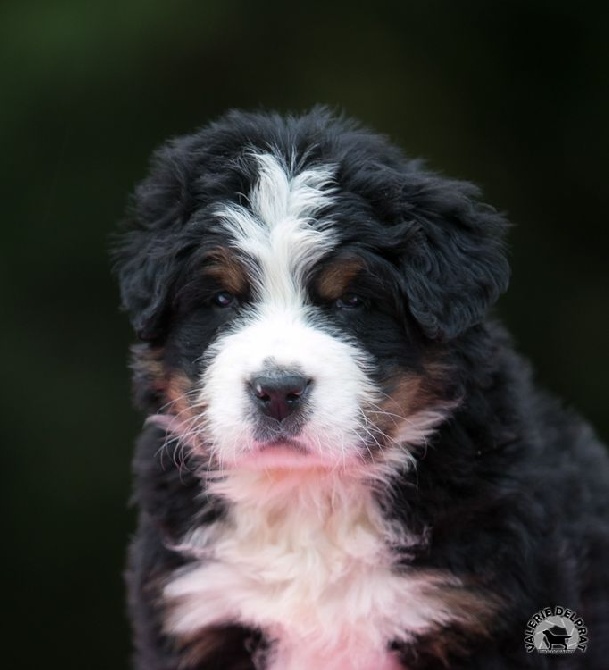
pixel 277 231
pixel 284 233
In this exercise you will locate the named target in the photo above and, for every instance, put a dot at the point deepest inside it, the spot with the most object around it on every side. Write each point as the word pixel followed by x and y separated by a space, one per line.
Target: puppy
pixel 345 465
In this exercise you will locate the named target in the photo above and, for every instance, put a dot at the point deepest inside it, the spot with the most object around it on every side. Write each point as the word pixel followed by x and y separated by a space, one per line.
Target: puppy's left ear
pixel 455 265
pixel 149 253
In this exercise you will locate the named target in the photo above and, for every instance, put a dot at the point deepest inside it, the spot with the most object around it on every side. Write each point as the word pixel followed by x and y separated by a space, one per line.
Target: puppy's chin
pixel 287 455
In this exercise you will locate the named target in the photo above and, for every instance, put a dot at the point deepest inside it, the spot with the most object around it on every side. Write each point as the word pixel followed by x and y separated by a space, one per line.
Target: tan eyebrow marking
pixel 224 266
pixel 335 279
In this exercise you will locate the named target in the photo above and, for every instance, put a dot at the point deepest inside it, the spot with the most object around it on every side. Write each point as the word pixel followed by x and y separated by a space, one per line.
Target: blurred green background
pixel 512 95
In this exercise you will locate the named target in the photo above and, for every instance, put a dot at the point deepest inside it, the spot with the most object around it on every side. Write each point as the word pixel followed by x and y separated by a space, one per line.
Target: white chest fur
pixel 306 558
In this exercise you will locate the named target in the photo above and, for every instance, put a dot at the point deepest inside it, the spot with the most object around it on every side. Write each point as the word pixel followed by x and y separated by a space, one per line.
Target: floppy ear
pixel 144 282
pixel 145 259
pixel 454 265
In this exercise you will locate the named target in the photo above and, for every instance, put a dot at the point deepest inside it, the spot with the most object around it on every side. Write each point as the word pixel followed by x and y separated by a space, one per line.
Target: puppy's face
pixel 278 329
pixel 293 334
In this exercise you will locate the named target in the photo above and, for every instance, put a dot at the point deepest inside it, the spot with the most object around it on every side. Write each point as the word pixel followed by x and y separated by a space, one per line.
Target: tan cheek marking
pixel 408 394
pixel 174 387
pixel 147 365
pixel 227 270
pixel 335 279
pixel 179 395
pixel 405 399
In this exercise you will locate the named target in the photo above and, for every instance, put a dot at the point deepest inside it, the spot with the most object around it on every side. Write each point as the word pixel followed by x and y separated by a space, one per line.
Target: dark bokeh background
pixel 512 95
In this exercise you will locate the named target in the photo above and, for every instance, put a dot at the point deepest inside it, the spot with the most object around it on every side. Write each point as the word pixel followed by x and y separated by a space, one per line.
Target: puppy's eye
pixel 224 299
pixel 349 301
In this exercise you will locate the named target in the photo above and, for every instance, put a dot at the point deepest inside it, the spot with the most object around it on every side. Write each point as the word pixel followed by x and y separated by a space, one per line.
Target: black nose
pixel 279 396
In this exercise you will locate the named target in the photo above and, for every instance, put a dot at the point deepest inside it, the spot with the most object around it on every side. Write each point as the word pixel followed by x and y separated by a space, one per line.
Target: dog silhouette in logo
pixel 556 637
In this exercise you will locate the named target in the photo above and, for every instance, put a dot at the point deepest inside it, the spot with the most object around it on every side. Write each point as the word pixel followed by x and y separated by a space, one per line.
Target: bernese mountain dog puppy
pixel 345 465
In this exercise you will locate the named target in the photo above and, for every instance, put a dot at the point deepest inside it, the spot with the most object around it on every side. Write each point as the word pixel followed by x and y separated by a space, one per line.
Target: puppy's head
pixel 295 284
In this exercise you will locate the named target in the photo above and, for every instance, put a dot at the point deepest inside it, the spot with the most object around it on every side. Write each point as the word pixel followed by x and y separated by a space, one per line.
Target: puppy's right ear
pixel 146 257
